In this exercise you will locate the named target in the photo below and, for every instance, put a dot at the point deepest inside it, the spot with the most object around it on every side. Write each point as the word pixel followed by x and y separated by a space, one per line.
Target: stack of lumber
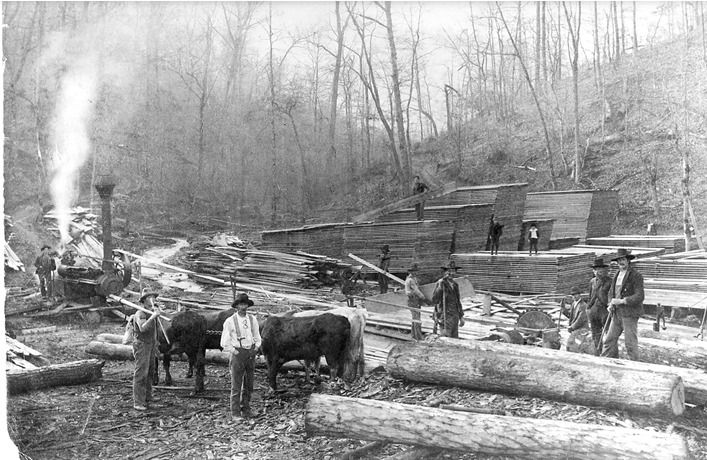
pixel 12 261
pixel 426 242
pixel 695 269
pixel 264 268
pixel 20 356
pixel 326 239
pixel 508 207
pixel 520 272
pixel 88 250
pixel 672 243
pixel 577 213
pixel 544 233
pixel 406 202
pixel 609 252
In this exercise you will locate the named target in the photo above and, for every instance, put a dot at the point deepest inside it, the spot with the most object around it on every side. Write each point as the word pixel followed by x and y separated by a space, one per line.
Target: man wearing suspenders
pixel 241 339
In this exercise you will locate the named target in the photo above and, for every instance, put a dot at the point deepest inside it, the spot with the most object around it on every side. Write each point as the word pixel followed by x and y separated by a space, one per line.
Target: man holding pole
pixel 415 300
pixel 144 349
pixel 625 307
pixel 383 264
pixel 598 300
pixel 448 306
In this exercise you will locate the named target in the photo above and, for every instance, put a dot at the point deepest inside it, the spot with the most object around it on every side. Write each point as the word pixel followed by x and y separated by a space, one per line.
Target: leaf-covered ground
pixel 97 420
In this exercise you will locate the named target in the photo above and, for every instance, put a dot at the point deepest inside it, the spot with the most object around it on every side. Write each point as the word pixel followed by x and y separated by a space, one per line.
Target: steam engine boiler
pixel 81 282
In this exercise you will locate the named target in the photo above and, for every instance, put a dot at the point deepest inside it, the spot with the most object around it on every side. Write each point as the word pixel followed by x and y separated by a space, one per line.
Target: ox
pixel 192 333
pixel 287 338
pixel 354 359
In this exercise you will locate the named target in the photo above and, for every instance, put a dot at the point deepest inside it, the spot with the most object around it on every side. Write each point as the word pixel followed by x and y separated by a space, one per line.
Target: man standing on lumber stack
pixel 448 305
pixel 45 266
pixel 415 300
pixel 419 187
pixel 241 339
pixel 496 232
pixel 383 264
pixel 533 237
pixel 598 301
pixel 625 307
pixel 144 349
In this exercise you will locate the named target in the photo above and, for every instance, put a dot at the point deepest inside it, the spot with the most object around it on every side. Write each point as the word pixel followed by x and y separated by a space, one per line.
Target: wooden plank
pixel 404 202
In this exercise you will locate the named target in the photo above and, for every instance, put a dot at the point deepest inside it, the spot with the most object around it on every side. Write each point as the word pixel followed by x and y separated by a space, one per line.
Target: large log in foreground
pixel 512 369
pixel 526 438
pixel 73 373
pixel 120 352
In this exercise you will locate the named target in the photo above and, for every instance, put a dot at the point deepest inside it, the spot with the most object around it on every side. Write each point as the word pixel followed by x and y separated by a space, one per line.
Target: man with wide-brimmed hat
pixel 144 350
pixel 625 307
pixel 415 300
pixel 45 266
pixel 598 300
pixel 383 264
pixel 448 305
pixel 241 339
pixel 577 312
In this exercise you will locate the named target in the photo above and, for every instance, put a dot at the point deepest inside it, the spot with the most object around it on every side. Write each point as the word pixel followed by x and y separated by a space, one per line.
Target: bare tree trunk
pixel 402 140
pixel 617 42
pixel 548 146
pixel 538 7
pixel 274 186
pixel 335 91
pixel 704 39
pixel 574 30
pixel 597 55
pixel 560 51
pixel 543 39
pixel 623 28
pixel 635 33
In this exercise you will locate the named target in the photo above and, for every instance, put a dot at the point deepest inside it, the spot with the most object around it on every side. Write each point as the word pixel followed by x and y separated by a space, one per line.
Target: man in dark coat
pixel 598 301
pixel 419 187
pixel 448 305
pixel 625 307
pixel 383 264
pixel 496 232
pixel 45 266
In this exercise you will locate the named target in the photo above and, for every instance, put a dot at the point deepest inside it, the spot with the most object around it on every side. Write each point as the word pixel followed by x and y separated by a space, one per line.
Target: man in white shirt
pixel 241 339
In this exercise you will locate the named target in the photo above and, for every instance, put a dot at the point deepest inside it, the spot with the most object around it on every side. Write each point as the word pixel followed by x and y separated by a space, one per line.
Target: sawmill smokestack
pixel 105 185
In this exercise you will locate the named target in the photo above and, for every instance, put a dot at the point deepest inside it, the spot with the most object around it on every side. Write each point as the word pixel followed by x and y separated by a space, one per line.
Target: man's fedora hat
pixel 599 263
pixel 45 246
pixel 623 253
pixel 575 290
pixel 451 265
pixel 413 268
pixel 242 298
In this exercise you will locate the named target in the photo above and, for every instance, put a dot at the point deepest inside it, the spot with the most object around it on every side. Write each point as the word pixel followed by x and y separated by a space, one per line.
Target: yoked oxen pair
pixel 191 333
pixel 335 334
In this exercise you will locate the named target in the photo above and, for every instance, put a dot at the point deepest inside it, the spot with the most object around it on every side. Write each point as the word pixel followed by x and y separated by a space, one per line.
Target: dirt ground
pixel 97 420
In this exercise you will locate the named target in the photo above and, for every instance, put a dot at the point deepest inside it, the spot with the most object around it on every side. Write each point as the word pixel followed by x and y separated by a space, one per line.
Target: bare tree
pixel 548 146
pixel 335 87
pixel 574 30
pixel 635 33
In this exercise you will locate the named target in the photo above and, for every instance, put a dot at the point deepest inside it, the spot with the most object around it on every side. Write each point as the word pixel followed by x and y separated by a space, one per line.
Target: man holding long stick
pixel 144 348
pixel 415 300
pixel 626 306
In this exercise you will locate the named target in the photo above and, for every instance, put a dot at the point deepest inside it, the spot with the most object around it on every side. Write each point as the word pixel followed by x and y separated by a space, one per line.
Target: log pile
pixel 520 272
pixel 577 213
pixel 488 435
pixel 508 206
pixel 428 243
pixel 12 261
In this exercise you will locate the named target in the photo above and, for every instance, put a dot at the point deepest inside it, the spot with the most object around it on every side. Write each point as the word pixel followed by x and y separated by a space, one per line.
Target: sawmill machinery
pixel 88 281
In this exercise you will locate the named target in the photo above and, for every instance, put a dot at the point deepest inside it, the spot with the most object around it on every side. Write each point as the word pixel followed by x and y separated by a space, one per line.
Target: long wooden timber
pixel 672 243
pixel 405 202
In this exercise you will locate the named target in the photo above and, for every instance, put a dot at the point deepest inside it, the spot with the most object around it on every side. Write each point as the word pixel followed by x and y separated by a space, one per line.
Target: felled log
pixel 527 438
pixel 73 373
pixel 514 369
pixel 120 352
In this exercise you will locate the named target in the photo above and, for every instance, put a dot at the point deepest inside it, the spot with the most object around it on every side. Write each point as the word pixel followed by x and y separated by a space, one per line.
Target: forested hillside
pixel 265 114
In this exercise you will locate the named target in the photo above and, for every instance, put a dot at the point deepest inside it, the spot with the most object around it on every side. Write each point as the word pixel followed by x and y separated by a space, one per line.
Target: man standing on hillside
pixel 383 264
pixel 448 305
pixel 45 266
pixel 415 300
pixel 419 187
pixel 626 306
pixel 598 301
